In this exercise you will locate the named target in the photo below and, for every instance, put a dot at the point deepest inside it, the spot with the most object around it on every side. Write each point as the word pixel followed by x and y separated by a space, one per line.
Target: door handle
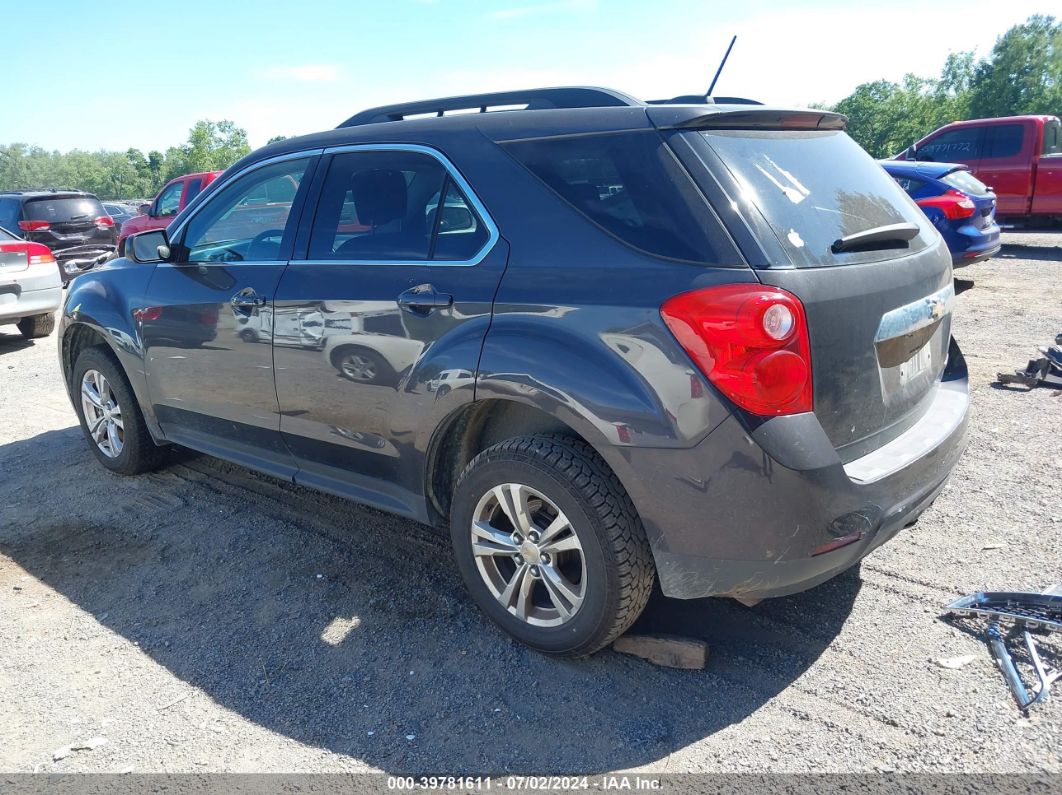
pixel 246 300
pixel 424 298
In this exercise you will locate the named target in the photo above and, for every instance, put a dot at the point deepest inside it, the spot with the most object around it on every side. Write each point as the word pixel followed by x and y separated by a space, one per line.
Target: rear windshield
pixel 630 185
pixel 75 208
pixel 966 182
pixel 815 187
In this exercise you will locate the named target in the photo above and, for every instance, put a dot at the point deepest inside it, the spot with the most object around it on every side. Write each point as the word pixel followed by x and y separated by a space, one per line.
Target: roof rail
pixel 529 99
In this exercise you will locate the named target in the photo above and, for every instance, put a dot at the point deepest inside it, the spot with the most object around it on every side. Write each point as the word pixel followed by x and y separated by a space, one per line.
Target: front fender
pixel 105 300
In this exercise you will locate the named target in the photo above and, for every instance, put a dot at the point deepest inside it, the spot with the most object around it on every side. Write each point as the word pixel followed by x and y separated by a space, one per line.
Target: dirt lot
pixel 206 618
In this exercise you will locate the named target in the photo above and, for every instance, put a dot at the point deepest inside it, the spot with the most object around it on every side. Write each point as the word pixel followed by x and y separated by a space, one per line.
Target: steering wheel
pixel 260 238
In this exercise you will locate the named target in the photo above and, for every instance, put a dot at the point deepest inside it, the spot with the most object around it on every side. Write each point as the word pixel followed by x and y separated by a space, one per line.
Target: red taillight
pixel 103 222
pixel 34 226
pixel 39 254
pixel 953 204
pixel 750 341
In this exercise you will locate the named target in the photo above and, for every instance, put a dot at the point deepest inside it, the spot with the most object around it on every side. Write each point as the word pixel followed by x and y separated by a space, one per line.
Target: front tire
pixel 37 326
pixel 550 545
pixel 110 415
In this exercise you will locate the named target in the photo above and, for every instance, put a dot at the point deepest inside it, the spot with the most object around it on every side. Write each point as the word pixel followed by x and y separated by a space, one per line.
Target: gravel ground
pixel 206 618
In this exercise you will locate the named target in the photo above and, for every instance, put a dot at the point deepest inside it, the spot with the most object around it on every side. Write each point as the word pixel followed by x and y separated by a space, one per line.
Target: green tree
pixel 276 139
pixel 211 146
pixel 1023 74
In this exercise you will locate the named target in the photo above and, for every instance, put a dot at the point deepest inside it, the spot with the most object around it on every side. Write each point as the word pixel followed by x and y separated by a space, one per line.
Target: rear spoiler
pixel 694 117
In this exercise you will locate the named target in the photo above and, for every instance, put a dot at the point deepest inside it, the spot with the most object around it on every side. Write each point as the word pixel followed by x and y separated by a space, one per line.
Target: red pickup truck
pixel 174 197
pixel 1019 157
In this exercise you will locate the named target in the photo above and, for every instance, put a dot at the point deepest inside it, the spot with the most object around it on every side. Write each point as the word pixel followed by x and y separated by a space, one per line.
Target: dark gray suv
pixel 707 345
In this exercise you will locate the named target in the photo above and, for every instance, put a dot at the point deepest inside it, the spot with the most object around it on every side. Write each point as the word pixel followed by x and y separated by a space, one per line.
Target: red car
pixel 1019 157
pixel 174 197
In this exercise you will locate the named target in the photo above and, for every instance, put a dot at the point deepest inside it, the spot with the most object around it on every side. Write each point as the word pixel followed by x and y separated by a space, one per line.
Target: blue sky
pixel 110 76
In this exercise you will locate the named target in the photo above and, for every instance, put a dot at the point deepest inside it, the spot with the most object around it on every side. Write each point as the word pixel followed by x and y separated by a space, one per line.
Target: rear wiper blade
pixel 888 236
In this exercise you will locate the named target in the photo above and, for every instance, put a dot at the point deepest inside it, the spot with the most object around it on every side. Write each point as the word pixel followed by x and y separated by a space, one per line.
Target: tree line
pixel 130 174
pixel 1022 74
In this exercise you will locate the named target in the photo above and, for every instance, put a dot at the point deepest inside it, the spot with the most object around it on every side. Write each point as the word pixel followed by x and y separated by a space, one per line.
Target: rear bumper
pixel 29 303
pixel 971 245
pixel 774 511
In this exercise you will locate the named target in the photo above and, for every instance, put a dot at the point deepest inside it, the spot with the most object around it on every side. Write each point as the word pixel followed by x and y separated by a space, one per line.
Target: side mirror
pixel 144 209
pixel 911 153
pixel 456 219
pixel 148 247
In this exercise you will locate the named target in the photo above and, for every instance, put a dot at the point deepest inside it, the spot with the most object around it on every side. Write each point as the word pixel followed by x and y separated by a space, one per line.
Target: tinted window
pixel 630 185
pixel 1003 140
pixel 1053 137
pixel 169 200
pixel 9 213
pixel 74 209
pixel 966 182
pixel 813 188
pixel 459 233
pixel 236 224
pixel 6 237
pixel 955 146
pixel 909 184
pixel 194 186
pixel 374 207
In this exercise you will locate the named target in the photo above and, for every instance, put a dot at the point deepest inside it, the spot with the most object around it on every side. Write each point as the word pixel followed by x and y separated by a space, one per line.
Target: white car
pixel 30 287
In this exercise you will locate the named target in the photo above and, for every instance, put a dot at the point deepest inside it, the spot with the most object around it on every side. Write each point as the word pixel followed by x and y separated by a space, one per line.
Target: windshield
pixel 815 187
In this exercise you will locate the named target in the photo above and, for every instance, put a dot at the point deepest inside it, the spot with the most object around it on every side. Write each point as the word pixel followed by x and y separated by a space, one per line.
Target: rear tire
pixel 568 591
pixel 110 416
pixel 37 326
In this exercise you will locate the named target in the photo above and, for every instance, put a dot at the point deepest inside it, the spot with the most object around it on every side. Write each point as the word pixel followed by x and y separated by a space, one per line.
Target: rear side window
pixel 630 185
pixel 194 186
pixel 9 213
pixel 1003 140
pixel 909 184
pixel 966 182
pixel 1052 137
pixel 77 208
pixel 814 187
pixel 955 146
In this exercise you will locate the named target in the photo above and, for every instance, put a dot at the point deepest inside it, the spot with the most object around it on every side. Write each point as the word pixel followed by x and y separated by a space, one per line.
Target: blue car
pixel 960 206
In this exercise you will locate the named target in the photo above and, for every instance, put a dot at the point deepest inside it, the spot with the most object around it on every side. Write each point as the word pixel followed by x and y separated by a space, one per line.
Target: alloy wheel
pixel 528 554
pixel 103 415
pixel 358 367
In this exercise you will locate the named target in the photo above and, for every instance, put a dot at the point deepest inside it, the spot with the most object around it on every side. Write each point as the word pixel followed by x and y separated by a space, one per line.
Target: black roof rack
pixel 530 99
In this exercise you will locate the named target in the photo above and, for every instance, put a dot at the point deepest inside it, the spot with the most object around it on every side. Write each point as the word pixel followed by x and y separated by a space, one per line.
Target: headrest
pixel 379 195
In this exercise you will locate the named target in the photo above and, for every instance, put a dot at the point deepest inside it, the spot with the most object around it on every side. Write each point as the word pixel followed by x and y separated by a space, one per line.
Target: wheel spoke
pixel 117 420
pixel 99 431
pixel 561 593
pixel 570 543
pixel 512 497
pixel 515 585
pixel 556 527
pixel 489 541
pixel 91 395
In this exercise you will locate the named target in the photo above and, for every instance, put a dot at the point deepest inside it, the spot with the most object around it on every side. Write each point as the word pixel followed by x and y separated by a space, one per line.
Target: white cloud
pixel 304 73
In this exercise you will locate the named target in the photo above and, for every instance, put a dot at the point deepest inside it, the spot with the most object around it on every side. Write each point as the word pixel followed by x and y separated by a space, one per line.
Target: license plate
pixel 917 364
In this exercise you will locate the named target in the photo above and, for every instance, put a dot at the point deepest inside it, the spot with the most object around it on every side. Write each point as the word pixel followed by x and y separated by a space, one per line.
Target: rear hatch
pixel 830 226
pixel 67 222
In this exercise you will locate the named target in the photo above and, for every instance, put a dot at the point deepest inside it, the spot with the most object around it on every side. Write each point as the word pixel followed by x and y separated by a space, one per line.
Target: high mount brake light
pixel 750 341
pixel 954 204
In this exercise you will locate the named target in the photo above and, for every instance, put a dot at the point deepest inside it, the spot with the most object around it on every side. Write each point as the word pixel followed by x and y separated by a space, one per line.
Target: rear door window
pixel 384 206
pixel 814 187
pixel 954 146
pixel 1003 140
pixel 631 186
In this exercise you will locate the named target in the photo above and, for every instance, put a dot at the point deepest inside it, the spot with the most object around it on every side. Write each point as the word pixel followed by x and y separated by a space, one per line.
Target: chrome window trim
pixel 223 181
pixel 455 175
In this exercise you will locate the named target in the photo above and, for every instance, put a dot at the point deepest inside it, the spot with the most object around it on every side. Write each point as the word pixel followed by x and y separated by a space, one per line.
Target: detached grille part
pixel 1046 370
pixel 1026 612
